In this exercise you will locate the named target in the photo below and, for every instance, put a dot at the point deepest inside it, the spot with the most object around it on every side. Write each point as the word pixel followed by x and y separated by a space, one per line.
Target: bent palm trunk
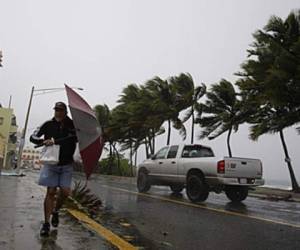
pixel 228 142
pixel 295 185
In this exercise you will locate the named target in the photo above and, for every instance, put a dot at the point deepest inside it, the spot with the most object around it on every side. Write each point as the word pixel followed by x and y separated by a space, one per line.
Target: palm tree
pixel 190 95
pixel 269 120
pixel 120 126
pixel 104 117
pixel 223 112
pixel 137 112
pixel 270 80
pixel 166 104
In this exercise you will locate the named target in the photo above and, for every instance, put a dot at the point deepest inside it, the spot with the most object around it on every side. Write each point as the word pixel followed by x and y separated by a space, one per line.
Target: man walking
pixel 59 130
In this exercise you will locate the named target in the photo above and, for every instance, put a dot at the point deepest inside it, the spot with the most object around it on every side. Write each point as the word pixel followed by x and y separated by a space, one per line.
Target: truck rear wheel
pixel 143 183
pixel 236 193
pixel 176 188
pixel 196 189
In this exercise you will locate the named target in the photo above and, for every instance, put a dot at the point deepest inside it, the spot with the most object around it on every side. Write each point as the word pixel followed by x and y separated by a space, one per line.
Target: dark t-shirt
pixel 64 135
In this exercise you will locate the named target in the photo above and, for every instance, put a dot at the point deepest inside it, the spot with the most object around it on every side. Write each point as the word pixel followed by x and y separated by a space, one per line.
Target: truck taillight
pixel 221 167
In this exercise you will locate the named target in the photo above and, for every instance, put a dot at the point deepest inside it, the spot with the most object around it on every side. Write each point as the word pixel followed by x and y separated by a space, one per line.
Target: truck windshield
pixel 195 151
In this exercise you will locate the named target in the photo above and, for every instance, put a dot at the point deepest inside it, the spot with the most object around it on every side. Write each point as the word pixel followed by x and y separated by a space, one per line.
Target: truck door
pixel 158 161
pixel 169 167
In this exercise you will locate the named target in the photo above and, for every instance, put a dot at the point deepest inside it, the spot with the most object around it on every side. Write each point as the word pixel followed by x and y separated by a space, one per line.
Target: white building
pixel 31 158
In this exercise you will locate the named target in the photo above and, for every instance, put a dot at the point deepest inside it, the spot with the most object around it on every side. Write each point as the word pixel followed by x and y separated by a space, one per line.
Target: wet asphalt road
pixel 159 219
pixel 170 222
pixel 21 215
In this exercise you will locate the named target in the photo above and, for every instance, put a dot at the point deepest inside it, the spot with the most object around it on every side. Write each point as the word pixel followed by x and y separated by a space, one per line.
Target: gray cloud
pixel 104 45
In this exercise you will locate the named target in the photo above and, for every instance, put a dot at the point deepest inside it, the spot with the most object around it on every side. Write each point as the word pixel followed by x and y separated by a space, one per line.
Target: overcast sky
pixel 102 46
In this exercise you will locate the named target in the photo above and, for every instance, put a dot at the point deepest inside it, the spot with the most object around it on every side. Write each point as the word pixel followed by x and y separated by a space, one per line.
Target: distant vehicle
pixel 196 168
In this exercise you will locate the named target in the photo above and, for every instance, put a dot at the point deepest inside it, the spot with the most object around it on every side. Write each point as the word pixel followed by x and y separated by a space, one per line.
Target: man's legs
pixel 61 197
pixel 49 203
pixel 49 178
pixel 48 208
pixel 65 180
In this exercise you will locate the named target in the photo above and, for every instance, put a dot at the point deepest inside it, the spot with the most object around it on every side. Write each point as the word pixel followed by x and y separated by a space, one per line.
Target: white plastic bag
pixel 77 156
pixel 50 155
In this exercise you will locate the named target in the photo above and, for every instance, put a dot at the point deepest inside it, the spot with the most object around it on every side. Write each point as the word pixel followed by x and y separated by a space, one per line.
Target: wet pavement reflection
pixel 157 220
pixel 177 225
pixel 278 210
pixel 21 221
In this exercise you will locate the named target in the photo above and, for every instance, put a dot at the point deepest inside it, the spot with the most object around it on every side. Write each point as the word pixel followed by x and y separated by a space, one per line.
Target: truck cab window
pixel 195 151
pixel 161 154
pixel 172 152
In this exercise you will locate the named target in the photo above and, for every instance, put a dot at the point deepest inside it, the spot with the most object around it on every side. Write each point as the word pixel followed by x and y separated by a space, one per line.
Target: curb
pixel 102 231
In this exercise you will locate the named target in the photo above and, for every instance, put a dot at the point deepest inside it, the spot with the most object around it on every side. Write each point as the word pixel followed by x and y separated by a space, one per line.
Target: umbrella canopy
pixel 88 131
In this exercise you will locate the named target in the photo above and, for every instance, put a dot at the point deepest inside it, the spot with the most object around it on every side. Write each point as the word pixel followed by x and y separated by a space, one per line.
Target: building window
pixel 1 121
pixel 13 121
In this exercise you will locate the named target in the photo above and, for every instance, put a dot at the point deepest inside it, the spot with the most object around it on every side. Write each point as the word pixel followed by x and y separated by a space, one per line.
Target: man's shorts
pixel 56 176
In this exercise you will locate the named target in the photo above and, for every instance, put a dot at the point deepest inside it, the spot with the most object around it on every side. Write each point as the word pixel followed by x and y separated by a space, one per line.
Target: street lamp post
pixel 22 140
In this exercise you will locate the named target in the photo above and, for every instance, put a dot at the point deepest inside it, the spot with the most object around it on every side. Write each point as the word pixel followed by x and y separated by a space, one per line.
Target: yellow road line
pixel 203 207
pixel 102 231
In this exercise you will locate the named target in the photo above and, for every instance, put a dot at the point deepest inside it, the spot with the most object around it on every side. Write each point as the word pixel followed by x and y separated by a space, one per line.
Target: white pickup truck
pixel 196 168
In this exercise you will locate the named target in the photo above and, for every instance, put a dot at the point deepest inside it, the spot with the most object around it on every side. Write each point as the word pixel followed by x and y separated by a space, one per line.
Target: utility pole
pixel 9 104
pixel 22 140
pixel 1 55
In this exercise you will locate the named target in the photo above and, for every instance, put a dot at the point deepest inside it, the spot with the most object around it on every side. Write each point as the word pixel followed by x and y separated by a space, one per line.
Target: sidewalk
pixel 21 214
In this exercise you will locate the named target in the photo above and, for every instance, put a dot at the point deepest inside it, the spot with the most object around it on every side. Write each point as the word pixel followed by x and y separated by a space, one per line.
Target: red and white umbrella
pixel 88 131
